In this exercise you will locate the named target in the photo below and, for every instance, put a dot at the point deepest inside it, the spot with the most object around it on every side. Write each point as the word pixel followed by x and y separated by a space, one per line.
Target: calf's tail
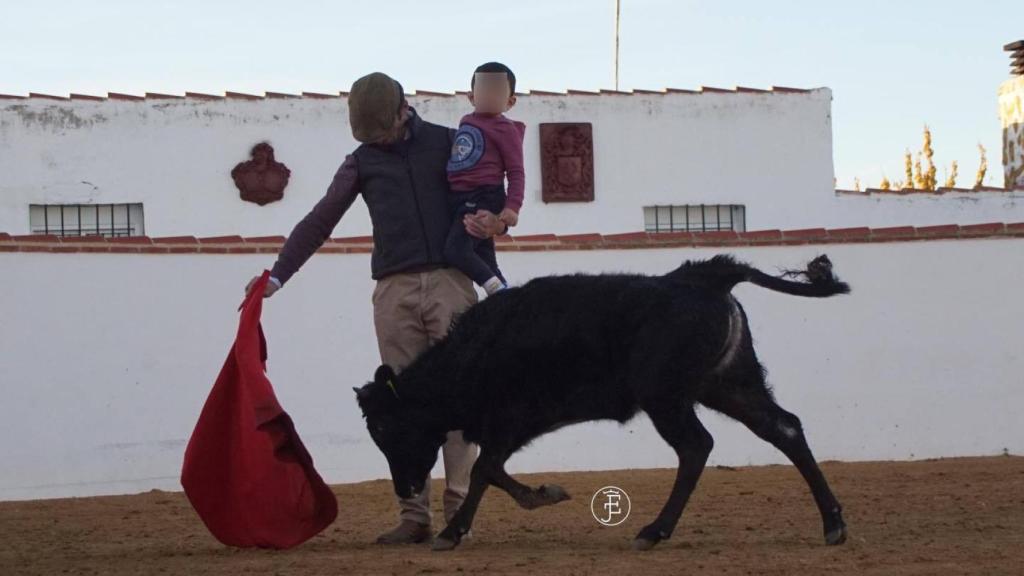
pixel 724 272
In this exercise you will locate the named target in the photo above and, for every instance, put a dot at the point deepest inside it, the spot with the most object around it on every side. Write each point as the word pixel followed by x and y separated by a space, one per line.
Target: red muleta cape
pixel 246 472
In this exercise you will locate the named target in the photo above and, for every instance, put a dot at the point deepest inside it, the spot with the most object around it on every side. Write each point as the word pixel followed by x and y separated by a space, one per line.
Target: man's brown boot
pixel 407 532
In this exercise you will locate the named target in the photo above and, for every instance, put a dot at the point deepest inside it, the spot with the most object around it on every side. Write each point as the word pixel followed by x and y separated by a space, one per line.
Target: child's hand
pixel 509 217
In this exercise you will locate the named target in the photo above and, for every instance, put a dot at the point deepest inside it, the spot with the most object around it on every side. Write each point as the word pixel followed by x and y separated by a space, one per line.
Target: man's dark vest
pixel 405 187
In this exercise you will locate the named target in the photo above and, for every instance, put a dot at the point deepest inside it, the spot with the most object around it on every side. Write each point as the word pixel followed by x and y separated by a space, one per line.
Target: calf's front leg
pixel 461 522
pixel 526 497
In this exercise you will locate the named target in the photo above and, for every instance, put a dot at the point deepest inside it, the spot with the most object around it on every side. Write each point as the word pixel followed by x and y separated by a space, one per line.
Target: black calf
pixel 567 349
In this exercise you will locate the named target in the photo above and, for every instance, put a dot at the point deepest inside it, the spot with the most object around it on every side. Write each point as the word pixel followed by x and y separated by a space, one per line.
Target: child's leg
pixel 460 251
pixel 485 250
pixel 493 199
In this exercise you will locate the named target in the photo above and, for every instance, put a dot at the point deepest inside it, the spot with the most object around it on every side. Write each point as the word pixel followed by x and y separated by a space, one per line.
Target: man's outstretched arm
pixel 314 229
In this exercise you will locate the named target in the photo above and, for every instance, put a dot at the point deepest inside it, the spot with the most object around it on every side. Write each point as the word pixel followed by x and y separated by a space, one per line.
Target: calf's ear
pixel 361 393
pixel 383 374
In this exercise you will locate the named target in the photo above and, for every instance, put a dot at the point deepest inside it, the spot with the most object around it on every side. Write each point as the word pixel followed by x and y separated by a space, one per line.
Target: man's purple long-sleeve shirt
pixel 315 228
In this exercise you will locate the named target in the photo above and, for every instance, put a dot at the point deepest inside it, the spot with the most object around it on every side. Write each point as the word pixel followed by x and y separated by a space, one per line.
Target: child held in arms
pixel 487 148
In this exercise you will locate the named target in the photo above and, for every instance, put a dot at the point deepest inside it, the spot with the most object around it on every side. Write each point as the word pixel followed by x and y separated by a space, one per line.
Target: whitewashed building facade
pixel 724 159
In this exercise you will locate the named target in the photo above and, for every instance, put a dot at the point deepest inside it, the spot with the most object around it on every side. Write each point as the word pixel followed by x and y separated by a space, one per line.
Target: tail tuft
pixel 819 273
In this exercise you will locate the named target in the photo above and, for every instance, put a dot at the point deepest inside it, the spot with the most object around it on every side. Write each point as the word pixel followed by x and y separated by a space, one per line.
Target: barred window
pixel 695 218
pixel 111 220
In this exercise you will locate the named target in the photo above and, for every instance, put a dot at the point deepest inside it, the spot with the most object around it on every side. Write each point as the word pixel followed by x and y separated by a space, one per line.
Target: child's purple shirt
pixel 485 149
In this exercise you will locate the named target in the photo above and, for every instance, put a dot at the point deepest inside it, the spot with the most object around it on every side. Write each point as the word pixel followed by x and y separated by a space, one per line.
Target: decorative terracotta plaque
pixel 567 162
pixel 262 179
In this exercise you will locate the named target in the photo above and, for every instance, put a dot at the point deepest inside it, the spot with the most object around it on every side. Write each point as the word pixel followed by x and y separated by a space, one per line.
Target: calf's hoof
pixel 552 494
pixel 643 544
pixel 835 527
pixel 648 538
pixel 836 536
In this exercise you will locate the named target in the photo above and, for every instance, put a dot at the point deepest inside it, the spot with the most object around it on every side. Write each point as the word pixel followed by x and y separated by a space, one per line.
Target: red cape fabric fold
pixel 246 472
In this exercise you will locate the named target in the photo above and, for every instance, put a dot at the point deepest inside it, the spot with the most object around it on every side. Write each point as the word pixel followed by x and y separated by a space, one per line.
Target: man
pixel 400 171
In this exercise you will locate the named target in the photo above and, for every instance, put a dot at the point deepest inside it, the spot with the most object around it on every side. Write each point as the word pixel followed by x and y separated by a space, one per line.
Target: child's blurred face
pixel 491 93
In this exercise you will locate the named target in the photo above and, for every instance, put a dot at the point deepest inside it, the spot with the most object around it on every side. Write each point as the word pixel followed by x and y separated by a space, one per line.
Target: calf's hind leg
pixel 752 404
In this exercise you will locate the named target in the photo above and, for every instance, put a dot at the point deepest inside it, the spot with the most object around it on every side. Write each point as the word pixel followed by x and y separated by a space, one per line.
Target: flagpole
pixel 618 4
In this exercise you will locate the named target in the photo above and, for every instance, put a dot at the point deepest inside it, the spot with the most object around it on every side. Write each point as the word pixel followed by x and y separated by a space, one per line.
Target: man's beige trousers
pixel 412 311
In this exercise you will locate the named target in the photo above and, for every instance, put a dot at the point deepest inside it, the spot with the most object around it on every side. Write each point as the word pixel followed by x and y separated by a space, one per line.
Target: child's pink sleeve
pixel 511 147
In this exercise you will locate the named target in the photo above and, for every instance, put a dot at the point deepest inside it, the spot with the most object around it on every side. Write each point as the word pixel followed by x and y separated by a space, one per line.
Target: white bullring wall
pixel 175 156
pixel 107 359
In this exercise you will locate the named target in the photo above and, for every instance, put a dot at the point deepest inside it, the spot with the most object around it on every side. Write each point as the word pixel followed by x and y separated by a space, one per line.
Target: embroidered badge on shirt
pixel 467 148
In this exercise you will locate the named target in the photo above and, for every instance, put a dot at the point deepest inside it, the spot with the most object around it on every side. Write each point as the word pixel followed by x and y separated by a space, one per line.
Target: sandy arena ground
pixel 952 516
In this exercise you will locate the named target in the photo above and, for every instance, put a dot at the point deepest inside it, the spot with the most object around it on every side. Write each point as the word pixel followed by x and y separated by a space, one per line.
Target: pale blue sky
pixel 893 66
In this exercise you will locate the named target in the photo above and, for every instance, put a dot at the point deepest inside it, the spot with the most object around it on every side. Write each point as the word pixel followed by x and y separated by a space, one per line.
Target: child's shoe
pixel 494 285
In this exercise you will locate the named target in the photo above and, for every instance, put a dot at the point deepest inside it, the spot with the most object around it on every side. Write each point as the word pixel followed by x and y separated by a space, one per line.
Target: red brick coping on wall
pixel 116 96
pixel 530 243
